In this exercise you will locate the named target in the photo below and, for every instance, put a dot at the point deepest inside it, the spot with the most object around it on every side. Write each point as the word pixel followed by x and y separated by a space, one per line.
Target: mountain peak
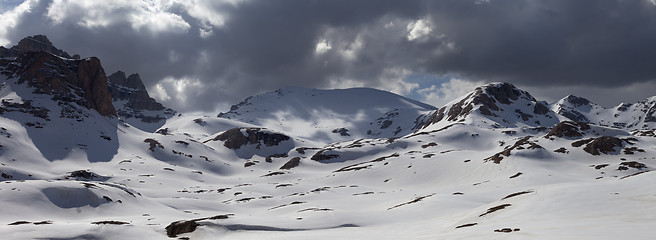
pixel 134 104
pixel 577 101
pixel 500 102
pixel 34 43
pixel 504 92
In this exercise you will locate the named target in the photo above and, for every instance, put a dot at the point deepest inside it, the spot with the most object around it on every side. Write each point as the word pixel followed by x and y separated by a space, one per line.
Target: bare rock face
pixel 491 100
pixel 132 100
pixel 572 113
pixel 568 129
pixel 51 71
pixel 37 43
pixel 68 81
pixel 602 145
pixel 180 227
pixel 235 138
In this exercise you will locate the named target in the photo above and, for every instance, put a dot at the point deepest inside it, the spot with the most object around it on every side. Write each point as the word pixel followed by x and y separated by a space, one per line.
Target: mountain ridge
pixel 308 163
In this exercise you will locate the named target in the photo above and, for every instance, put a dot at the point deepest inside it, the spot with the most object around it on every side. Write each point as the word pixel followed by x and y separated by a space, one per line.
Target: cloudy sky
pixel 204 55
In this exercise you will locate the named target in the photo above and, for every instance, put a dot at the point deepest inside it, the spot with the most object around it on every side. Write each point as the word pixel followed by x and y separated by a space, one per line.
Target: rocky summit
pixel 86 156
pixel 132 101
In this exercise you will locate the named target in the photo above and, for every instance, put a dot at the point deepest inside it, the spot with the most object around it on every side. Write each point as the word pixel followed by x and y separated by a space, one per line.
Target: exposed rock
pixel 561 150
pixel 577 101
pixel 568 129
pixel 292 163
pixel 319 156
pixel 494 209
pixel 153 144
pixel 496 158
pixel 631 164
pixel 82 174
pixel 82 82
pixel 110 222
pixel 341 131
pixel 645 133
pixel 180 227
pixel 132 92
pixel 36 43
pixel 540 108
pixel 572 114
pixel 604 144
pixel 25 107
pixel 234 138
pixel 433 118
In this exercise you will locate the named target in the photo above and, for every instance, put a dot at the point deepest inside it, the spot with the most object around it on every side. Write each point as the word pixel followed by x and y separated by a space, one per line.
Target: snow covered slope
pixel 493 164
pixel 630 116
pixel 331 115
pixel 496 105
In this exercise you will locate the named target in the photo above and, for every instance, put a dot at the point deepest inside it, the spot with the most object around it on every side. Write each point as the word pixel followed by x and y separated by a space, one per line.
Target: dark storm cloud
pixel 263 45
pixel 546 42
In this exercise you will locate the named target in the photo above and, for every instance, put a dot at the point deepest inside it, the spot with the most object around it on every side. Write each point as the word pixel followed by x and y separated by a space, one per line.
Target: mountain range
pixel 84 155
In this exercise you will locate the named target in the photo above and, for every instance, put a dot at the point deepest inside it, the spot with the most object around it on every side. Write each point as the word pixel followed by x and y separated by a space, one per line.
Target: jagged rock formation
pixel 131 99
pixel 235 138
pixel 82 82
pixel 37 43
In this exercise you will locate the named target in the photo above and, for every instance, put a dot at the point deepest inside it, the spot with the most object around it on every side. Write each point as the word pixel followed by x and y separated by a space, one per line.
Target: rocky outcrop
pixel 568 129
pixel 521 144
pixel 132 100
pixel 187 226
pixel 37 43
pixel 234 138
pixel 602 145
pixel 292 163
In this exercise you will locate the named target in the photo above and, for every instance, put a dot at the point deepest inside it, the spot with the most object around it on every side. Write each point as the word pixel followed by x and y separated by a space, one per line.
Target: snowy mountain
pixel 331 115
pixel 631 116
pixel 80 158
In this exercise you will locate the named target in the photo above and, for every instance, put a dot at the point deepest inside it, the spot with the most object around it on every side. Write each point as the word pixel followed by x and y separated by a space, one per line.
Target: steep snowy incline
pixel 331 115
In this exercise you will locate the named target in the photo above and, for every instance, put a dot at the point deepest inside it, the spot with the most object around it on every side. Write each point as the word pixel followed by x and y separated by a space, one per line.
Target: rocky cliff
pixel 35 43
pixel 131 99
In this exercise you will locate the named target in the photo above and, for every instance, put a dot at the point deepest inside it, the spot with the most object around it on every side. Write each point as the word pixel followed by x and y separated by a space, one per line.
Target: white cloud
pixel 177 89
pixel 418 29
pixel 349 50
pixel 446 92
pixel 153 16
pixel 9 19
pixel 322 47
pixel 390 80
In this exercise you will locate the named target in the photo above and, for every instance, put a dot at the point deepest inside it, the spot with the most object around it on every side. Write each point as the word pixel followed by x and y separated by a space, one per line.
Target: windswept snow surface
pixel 331 115
pixel 462 179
